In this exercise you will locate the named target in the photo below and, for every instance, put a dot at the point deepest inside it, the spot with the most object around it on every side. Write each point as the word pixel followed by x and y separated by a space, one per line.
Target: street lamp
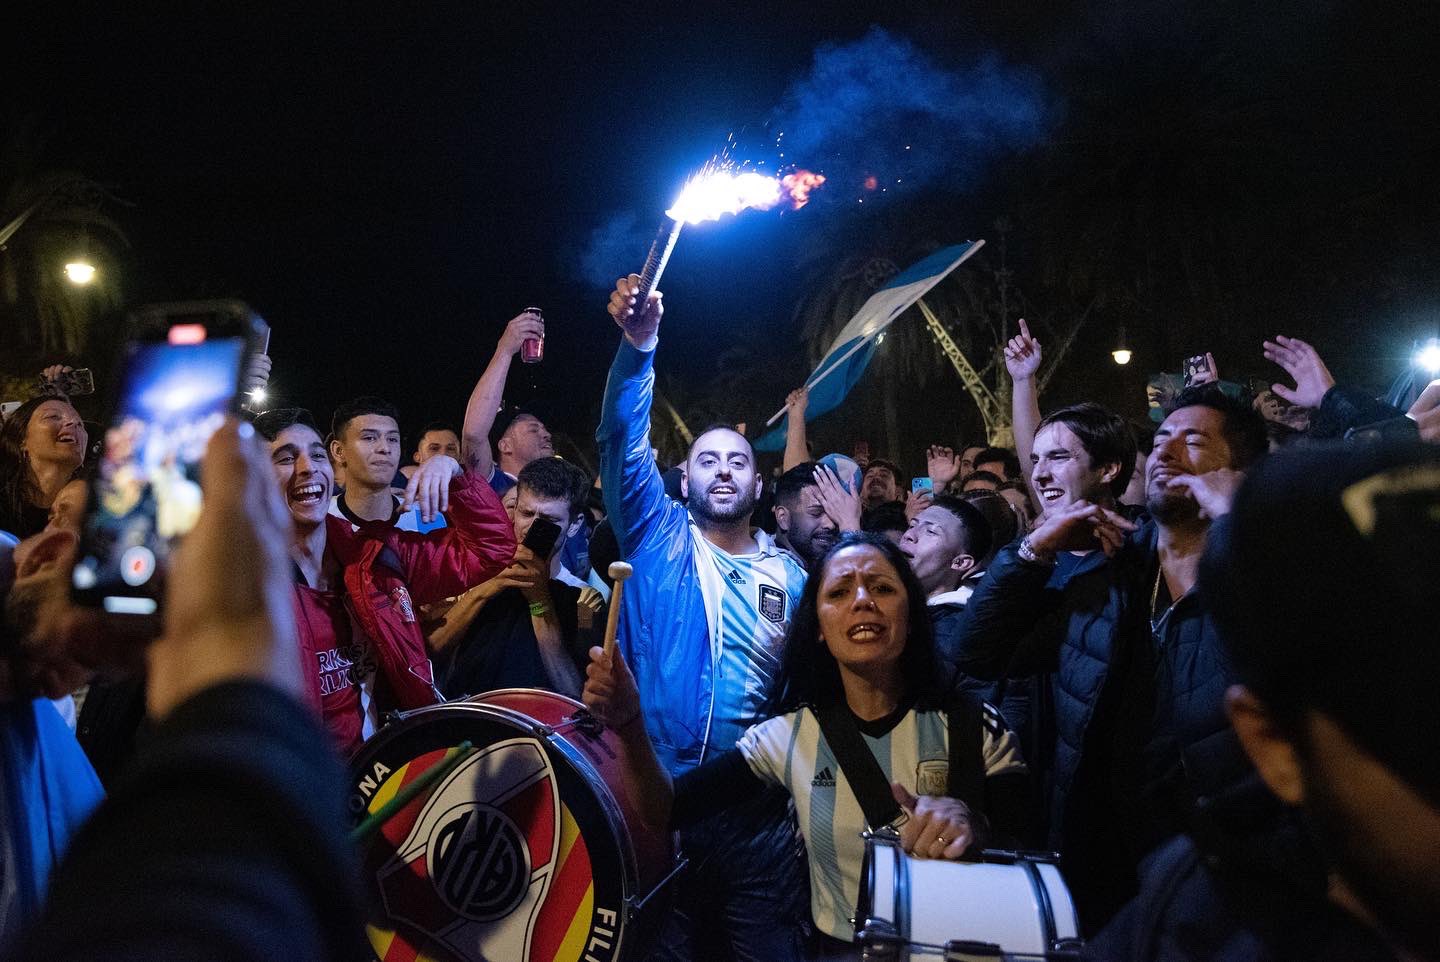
pixel 1122 353
pixel 1428 357
pixel 80 272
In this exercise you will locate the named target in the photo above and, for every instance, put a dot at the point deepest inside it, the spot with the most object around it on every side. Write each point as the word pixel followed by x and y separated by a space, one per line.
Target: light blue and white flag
pixel 848 357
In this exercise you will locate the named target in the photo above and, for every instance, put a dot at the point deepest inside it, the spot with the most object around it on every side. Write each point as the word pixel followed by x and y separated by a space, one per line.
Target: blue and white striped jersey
pixel 790 751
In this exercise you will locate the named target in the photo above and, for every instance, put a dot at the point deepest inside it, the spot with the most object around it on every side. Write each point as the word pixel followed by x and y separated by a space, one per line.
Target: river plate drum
pixel 527 849
pixel 919 908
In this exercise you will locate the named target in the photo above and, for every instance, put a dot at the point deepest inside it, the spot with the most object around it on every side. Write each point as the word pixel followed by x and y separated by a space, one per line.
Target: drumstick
pixel 619 571
pixel 407 794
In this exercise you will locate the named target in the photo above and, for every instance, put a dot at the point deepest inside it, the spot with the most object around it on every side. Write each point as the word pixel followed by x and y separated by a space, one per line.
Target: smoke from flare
pixel 713 193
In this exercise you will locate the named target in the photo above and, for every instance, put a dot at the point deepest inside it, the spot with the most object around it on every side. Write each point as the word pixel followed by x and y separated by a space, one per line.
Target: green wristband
pixel 538 609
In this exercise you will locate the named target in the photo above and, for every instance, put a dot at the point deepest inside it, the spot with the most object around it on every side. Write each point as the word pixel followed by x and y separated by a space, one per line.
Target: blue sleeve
pixel 635 498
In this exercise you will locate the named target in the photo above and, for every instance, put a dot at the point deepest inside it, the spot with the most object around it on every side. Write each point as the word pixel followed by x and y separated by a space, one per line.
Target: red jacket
pixel 388 574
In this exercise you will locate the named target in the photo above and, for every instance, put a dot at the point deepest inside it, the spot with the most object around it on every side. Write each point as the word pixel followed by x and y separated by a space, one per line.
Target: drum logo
pixel 478 862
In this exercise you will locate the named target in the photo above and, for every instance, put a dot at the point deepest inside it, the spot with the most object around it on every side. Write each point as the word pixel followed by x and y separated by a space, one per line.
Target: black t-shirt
pixel 499 650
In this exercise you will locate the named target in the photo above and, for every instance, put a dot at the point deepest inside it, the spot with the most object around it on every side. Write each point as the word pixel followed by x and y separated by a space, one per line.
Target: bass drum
pixel 1007 905
pixel 527 849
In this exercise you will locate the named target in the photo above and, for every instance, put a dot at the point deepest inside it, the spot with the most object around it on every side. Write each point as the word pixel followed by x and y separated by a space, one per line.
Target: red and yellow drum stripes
pixel 563 920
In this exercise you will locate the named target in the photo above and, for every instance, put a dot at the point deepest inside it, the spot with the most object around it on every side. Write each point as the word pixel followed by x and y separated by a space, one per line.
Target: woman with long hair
pixel 42 449
pixel 859 653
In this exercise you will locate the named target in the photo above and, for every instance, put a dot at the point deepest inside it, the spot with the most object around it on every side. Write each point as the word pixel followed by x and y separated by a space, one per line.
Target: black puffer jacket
pixel 1138 722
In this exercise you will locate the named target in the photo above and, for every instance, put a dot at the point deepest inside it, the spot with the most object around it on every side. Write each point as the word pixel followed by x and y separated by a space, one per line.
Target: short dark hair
pixel 889 516
pixel 556 478
pixel 1244 428
pixel 789 485
pixel 1009 462
pixel 990 476
pixel 999 514
pixel 975 525
pixel 269 424
pixel 720 426
pixel 366 404
pixel 439 426
pixel 1103 434
pixel 890 466
pixel 809 674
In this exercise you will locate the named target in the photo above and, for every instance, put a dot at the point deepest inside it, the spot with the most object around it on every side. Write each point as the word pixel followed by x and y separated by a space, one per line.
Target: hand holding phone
pixel 178 382
pixel 541 537
pixel 1200 369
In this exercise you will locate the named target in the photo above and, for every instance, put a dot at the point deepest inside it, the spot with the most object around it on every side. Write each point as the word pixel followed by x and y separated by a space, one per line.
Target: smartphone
pixel 179 379
pixel 541 537
pixel 1194 366
pixel 922 484
pixel 70 383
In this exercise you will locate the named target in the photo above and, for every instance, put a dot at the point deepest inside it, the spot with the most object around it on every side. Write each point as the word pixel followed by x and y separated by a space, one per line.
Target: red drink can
pixel 532 349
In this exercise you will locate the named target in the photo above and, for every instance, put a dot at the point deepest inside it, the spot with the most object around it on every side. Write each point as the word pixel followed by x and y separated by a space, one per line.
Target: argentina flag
pixel 848 357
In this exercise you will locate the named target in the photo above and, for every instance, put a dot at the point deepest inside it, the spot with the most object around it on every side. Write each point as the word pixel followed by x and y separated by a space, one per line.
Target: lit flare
pixel 714 192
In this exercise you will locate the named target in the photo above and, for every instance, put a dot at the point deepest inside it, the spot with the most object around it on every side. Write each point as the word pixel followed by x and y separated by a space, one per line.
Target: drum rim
pixel 550 738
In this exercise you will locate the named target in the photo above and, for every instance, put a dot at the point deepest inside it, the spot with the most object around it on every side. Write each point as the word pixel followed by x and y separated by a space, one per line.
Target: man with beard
pixel 1137 674
pixel 804 526
pixel 1337 678
pixel 702 626
pixel 882 484
pixel 357 592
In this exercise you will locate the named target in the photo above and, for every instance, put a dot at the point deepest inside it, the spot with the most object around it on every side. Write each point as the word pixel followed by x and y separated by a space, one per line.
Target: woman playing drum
pixel 860 637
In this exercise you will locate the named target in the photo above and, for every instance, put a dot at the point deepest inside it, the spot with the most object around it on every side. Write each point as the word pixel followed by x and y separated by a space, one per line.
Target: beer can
pixel 532 349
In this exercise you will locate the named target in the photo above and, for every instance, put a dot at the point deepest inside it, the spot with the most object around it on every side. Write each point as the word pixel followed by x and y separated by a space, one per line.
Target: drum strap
pixel 866 777
pixel 966 780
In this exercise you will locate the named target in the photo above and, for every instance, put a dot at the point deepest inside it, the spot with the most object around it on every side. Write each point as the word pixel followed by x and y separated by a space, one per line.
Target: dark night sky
pixel 388 187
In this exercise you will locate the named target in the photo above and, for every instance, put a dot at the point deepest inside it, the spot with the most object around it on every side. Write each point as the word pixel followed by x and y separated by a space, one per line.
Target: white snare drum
pixel 915 908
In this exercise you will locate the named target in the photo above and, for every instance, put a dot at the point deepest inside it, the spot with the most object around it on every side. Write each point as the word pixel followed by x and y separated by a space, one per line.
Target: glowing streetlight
pixel 1122 353
pixel 80 272
pixel 1428 357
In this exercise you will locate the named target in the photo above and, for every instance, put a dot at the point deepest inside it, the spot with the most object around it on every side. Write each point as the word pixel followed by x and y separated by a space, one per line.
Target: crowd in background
pixel 1197 652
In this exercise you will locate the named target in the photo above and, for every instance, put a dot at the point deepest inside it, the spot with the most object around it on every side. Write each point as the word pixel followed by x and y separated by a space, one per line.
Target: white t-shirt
pixel 790 751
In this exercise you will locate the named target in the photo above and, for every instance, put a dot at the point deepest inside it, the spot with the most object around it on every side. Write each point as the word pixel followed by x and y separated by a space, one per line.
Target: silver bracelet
pixel 1027 553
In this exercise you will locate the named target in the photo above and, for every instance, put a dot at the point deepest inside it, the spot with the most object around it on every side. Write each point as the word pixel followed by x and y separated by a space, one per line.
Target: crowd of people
pixel 1192 659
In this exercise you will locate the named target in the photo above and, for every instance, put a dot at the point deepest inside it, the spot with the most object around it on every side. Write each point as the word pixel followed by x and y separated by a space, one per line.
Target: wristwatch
pixel 1027 553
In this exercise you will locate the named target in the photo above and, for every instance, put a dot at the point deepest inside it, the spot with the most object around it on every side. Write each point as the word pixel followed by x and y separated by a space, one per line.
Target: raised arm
pixel 477 543
pixel 797 450
pixel 489 391
pixel 1022 360
pixel 634 491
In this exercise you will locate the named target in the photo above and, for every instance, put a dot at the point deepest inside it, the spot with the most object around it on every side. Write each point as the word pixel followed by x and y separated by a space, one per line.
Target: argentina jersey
pixel 758 594
pixel 790 751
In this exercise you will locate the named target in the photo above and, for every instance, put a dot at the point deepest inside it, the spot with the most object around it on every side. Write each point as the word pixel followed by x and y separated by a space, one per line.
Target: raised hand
pixel 797 401
pixel 429 486
pixel 942 464
pixel 610 691
pixel 522 326
pixel 257 373
pixel 1303 363
pixel 1080 526
pixel 641 329
pixel 938 826
pixel 843 506
pixel 1022 354
pixel 1213 491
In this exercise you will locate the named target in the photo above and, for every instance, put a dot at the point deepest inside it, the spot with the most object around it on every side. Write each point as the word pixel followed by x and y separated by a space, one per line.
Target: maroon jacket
pixel 388 574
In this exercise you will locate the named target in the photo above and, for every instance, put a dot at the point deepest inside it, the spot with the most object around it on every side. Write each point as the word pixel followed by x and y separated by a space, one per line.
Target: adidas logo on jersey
pixel 824 778
pixel 736 577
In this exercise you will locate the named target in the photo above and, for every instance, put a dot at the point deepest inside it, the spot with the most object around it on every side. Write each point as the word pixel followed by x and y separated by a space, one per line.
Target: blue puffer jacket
pixel 664 626
pixel 1164 738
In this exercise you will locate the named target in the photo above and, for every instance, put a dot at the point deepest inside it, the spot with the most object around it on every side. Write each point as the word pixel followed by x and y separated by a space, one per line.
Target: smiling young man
pixel 802 523
pixel 1139 727
pixel 365 444
pixel 702 625
pixel 356 593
